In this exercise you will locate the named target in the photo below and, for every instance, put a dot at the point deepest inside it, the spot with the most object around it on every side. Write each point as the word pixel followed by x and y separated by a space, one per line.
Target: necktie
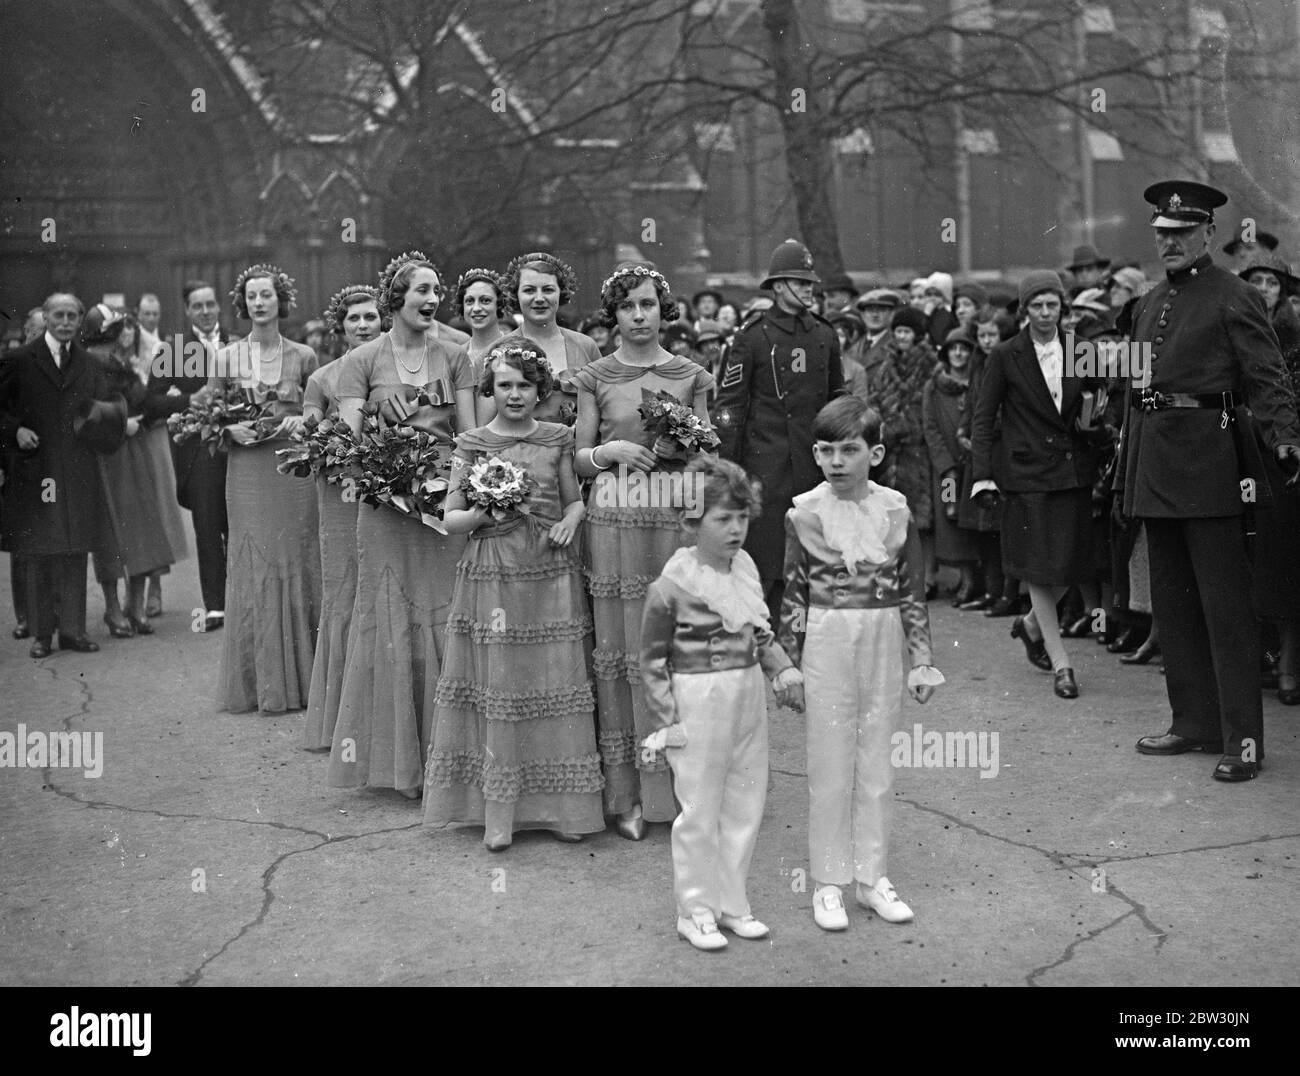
pixel 63 356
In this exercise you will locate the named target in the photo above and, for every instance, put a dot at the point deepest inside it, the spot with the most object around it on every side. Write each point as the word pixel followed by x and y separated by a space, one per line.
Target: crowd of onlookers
pixel 915 352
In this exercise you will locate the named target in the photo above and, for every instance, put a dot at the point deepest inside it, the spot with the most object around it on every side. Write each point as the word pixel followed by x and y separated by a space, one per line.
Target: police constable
pixel 1185 447
pixel 782 367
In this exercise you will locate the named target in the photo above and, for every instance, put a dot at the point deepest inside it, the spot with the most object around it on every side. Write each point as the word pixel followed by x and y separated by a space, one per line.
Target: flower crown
pixel 469 276
pixel 633 271
pixel 283 284
pixel 337 309
pixel 519 351
pixel 391 270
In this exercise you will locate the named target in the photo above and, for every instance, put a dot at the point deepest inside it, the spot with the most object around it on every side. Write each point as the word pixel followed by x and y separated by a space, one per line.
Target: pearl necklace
pixel 264 365
pixel 419 365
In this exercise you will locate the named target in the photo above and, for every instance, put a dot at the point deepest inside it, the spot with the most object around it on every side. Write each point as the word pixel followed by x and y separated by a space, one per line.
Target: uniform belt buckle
pixel 1152 400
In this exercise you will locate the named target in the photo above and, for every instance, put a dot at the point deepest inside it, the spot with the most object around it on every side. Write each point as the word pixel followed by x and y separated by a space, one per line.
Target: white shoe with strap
pixel 701 930
pixel 882 900
pixel 828 908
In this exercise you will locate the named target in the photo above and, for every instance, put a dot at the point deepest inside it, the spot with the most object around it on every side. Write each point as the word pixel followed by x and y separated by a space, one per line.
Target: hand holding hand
pixel 27 439
pixel 791 696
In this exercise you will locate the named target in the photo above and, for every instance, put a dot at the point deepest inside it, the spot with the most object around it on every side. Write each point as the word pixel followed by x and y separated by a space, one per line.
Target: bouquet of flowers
pixel 498 486
pixel 402 467
pixel 317 445
pixel 211 411
pixel 677 428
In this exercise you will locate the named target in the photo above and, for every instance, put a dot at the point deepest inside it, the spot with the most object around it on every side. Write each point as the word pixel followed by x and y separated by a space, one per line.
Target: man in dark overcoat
pixel 783 366
pixel 200 474
pixel 1202 350
pixel 50 393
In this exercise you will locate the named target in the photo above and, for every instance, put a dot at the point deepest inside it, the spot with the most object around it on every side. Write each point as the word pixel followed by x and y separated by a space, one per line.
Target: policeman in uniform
pixel 782 367
pixel 1185 447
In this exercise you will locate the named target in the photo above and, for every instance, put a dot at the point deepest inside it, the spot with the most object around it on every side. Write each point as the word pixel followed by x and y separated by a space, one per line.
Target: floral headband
pixel 634 271
pixel 518 351
pixel 283 283
pixel 469 276
pixel 337 309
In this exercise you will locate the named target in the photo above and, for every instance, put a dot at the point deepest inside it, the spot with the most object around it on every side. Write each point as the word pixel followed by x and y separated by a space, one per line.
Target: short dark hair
pixel 527 359
pixel 191 286
pixel 481 276
pixel 627 277
pixel 847 418
pixel 540 262
pixel 726 484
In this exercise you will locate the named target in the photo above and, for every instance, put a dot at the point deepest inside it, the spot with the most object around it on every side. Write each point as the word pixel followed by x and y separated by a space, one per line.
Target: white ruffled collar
pixel 871 530
pixel 736 596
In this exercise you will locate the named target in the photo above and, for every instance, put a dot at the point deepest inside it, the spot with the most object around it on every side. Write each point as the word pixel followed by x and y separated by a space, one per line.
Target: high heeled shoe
pixel 1288 696
pixel 119 629
pixel 140 624
pixel 632 825
pixel 1142 655
pixel 1078 629
pixel 1035 649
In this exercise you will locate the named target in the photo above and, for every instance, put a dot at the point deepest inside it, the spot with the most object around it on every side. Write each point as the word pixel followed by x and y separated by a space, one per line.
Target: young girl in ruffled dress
pixel 514 738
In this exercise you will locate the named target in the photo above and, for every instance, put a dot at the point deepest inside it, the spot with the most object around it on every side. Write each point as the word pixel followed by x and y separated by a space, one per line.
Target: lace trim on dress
pixel 551 631
pixel 616 665
pixel 737 596
pixel 518 571
pixel 633 518
pixel 618 748
pixel 871 530
pixel 625 587
pixel 505 784
pixel 498 705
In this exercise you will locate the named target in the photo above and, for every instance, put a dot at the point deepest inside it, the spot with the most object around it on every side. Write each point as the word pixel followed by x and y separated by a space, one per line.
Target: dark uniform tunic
pixel 780 370
pixel 1179 471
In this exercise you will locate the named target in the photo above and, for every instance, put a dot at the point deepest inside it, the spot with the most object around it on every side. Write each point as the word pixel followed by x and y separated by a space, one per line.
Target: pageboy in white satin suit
pixel 705 645
pixel 854 593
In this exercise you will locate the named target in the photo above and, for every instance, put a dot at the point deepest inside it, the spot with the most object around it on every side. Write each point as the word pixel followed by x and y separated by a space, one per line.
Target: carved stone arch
pixel 286 209
pixel 339 197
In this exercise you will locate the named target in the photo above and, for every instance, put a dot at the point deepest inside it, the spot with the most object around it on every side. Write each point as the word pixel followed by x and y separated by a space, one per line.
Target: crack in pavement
pixel 1135 908
pixel 268 894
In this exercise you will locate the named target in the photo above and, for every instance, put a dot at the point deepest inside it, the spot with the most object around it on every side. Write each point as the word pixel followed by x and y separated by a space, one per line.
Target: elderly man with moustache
pixel 51 409
pixel 1185 447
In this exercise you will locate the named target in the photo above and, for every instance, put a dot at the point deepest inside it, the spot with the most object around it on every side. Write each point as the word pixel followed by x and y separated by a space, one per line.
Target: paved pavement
pixel 211 851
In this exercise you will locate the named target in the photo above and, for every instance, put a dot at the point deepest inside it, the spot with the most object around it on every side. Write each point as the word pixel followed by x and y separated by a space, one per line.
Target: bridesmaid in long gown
pixel 354 314
pixel 273 585
pixel 537 285
pixel 481 301
pixel 628 546
pixel 405 570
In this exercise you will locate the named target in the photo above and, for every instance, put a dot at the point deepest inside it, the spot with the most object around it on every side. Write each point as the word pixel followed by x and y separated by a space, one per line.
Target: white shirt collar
pixel 214 336
pixel 56 348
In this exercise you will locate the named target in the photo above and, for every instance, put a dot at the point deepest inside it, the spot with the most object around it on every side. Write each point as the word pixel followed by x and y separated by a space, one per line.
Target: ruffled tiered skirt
pixel 338 565
pixel 514 723
pixel 627 549
pixel 273 585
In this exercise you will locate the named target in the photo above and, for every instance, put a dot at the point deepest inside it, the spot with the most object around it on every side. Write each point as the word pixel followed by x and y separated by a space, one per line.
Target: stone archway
pixel 103 138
